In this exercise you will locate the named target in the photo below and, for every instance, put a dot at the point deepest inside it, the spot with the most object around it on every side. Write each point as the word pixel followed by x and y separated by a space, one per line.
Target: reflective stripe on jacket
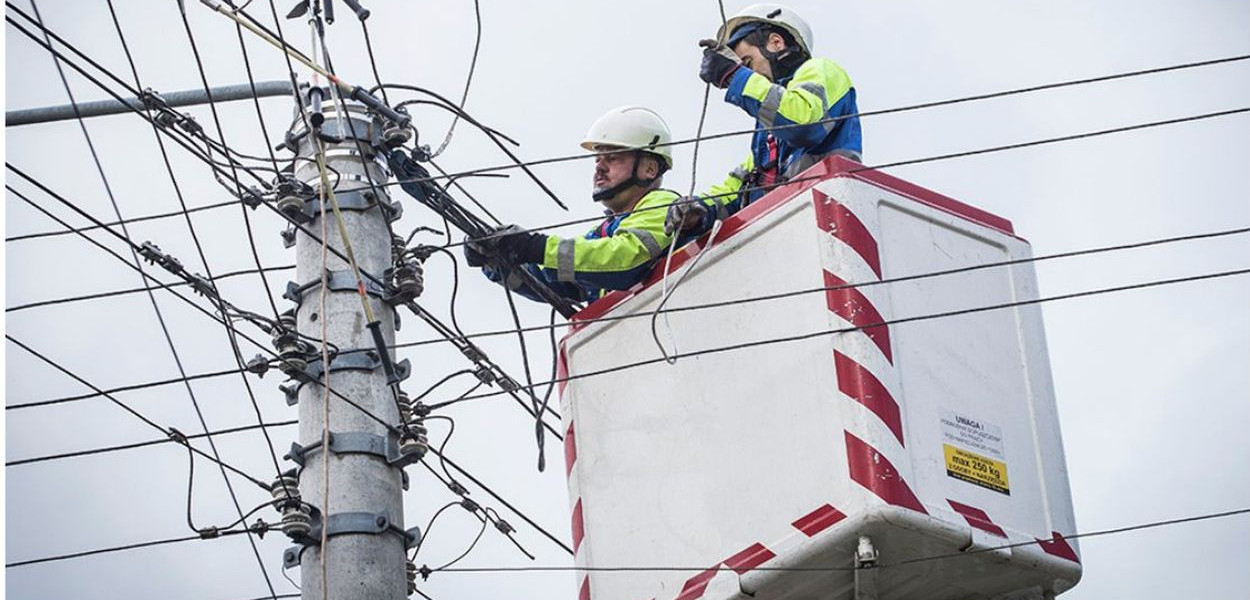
pixel 616 255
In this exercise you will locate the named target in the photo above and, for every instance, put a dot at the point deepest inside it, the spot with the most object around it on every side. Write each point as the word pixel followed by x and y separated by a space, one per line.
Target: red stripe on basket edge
pixel 578 525
pixel 570 450
pixel 818 520
pixel 978 518
pixel 755 555
pixel 584 592
pixel 1060 547
pixel 851 304
pixel 835 218
pixel 859 383
pixel 874 471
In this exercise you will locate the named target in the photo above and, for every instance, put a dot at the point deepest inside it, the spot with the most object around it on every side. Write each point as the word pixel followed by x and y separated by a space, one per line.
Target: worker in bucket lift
pixel 631 155
pixel 804 109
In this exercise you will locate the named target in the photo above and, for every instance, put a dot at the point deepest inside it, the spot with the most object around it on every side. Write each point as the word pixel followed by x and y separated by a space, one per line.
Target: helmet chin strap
pixel 633 180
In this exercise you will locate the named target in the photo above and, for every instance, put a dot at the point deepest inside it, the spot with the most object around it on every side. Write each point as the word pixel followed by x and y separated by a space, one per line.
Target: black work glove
pixel 473 253
pixel 684 215
pixel 719 63
pixel 517 246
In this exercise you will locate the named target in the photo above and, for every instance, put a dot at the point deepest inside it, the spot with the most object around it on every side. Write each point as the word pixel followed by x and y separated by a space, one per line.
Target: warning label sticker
pixel 973 434
pixel 976 469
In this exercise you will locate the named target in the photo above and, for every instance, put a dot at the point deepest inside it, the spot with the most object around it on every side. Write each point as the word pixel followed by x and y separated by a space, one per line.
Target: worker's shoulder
pixel 658 197
pixel 817 67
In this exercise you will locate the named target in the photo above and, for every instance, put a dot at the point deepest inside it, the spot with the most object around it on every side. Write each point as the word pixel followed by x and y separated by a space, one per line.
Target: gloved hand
pixel 684 215
pixel 719 63
pixel 474 253
pixel 510 244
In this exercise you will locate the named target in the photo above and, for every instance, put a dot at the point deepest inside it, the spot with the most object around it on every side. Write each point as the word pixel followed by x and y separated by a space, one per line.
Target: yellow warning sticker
pixel 976 469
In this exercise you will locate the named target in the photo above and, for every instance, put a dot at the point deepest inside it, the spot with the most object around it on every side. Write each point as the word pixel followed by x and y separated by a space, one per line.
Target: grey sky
pixel 1153 386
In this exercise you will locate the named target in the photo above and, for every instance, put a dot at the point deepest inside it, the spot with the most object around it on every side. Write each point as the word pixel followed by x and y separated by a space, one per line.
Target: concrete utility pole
pixel 362 515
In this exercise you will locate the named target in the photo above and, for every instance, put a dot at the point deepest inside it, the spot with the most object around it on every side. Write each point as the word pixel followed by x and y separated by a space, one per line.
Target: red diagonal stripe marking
pixel 818 520
pixel 838 220
pixel 750 558
pixel 579 526
pixel 850 304
pixel 570 450
pixel 584 592
pixel 874 471
pixel 695 586
pixel 857 382
pixel 1058 546
pixel 977 518
pixel 562 370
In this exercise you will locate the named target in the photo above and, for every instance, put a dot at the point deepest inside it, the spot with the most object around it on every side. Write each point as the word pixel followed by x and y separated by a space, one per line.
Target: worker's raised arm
pixel 799 112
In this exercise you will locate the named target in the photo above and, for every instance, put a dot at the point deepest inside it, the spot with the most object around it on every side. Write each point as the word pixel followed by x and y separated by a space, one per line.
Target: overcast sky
pixel 1153 386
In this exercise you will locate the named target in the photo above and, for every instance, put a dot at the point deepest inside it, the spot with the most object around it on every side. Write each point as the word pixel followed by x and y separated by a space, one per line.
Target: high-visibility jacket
pixel 798 122
pixel 616 255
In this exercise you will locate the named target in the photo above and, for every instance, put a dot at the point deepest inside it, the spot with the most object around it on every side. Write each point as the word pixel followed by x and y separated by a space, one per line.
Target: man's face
pixel 612 168
pixel 753 59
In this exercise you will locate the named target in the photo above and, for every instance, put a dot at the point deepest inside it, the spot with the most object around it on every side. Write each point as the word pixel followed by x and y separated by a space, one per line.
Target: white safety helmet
pixel 772 14
pixel 635 127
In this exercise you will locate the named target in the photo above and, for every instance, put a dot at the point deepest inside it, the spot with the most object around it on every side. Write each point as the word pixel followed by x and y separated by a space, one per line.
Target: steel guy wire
pixel 264 348
pixel 930 316
pixel 160 317
pixel 132 411
pixel 865 284
pixel 881 565
pixel 906 108
pixel 145 444
pixel 115 293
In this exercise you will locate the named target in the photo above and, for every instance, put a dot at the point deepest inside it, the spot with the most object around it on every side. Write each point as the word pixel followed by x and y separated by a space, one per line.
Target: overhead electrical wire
pixel 177 213
pixel 132 411
pixel 134 252
pixel 896 321
pixel 865 284
pixel 145 444
pixel 833 569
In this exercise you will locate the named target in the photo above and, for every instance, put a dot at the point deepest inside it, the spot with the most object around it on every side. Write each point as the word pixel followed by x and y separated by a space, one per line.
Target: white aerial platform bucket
pixel 753 471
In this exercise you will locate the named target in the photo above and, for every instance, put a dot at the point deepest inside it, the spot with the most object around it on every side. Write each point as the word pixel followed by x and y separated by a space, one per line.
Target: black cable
pixel 445 379
pixel 517 162
pixel 137 445
pixel 115 293
pixel 177 213
pixel 827 569
pixel 455 290
pixel 466 552
pixel 60 557
pixel 156 307
pixel 926 275
pixel 939 315
pixel 507 504
pixel 264 348
pixel 125 388
pixel 464 98
pixel 529 378
pixel 132 411
pixel 428 526
pixel 906 108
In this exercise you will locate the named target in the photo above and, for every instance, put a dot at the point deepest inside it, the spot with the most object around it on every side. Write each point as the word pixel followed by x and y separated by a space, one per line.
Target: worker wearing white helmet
pixel 632 152
pixel 804 108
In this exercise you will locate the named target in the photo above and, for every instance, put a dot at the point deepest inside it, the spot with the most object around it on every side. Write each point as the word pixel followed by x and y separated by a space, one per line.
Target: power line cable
pixel 464 98
pixel 134 251
pixel 46 234
pixel 939 315
pixel 125 292
pixel 828 569
pixel 132 411
pixel 145 444
pixel 890 280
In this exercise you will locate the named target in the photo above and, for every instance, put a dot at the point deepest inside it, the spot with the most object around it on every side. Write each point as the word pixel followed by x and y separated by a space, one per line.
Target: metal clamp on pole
pixel 385 447
pixel 349 523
